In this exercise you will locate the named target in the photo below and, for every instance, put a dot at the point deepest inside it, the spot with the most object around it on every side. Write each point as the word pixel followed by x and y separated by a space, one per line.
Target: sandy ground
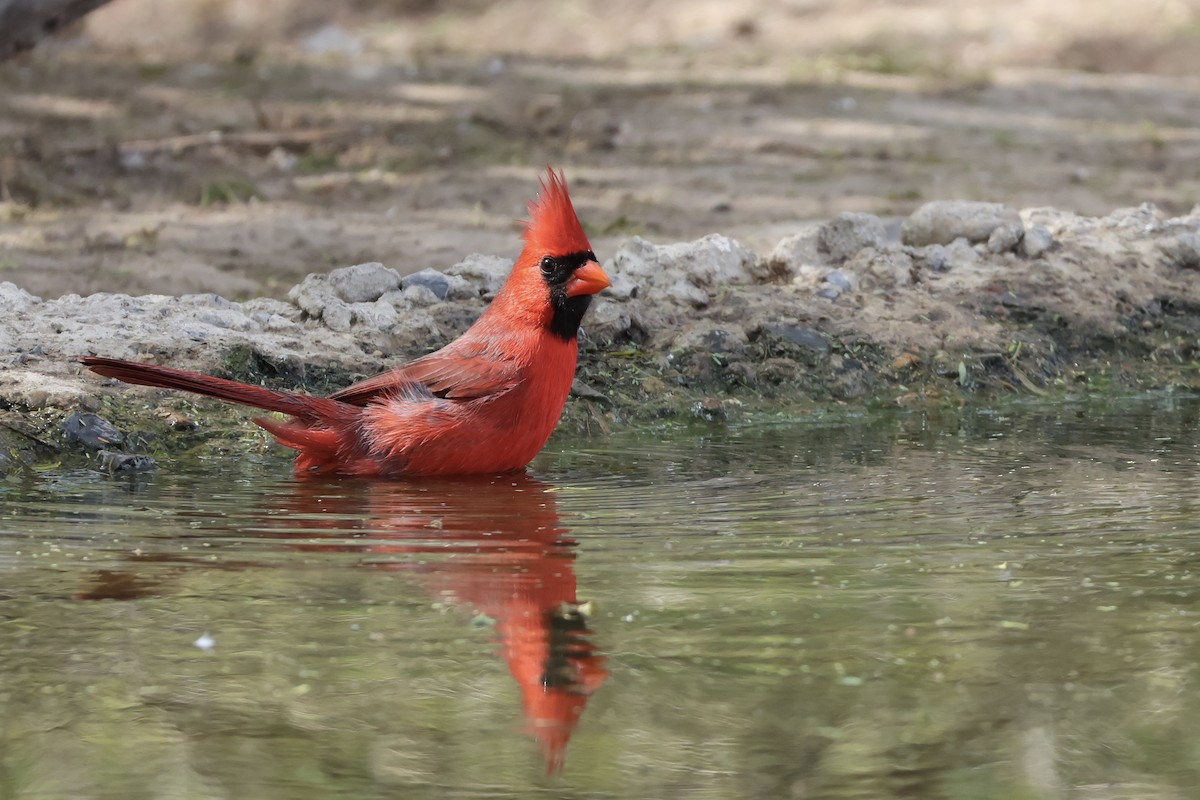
pixel 234 147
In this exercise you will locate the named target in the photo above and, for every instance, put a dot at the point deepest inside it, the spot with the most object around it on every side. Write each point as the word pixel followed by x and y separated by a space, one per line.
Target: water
pixel 981 606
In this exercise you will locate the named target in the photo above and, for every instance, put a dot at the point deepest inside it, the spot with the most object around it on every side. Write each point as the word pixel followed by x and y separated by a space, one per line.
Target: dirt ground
pixel 235 146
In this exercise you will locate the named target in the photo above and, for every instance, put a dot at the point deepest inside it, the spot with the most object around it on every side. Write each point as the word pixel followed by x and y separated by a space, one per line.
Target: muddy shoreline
pixel 960 303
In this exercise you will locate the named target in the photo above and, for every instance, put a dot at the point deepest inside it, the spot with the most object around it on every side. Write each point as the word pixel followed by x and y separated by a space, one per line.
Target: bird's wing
pixel 463 371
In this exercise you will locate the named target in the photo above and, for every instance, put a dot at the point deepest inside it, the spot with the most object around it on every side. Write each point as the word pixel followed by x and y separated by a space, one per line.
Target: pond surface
pixel 983 605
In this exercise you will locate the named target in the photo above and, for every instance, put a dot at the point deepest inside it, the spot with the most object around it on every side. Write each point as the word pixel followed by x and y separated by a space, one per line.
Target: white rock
pixel 799 254
pixel 485 273
pixel 622 288
pixel 437 282
pixel 882 269
pixel 15 299
pixel 943 221
pixel 1037 240
pixel 336 315
pixel 363 283
pixel 415 296
pixel 606 320
pixel 687 272
pixel 379 315
pixel 312 294
pixel 1005 238
pixel 847 233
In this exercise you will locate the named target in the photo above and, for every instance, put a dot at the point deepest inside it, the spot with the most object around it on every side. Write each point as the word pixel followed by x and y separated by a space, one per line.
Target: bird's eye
pixel 549 265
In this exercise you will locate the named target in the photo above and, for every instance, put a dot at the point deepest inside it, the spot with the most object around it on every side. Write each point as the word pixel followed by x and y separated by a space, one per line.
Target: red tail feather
pixel 302 406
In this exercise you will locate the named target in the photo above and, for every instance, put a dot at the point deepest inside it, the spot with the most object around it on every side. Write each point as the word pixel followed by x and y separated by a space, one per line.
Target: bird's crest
pixel 553 228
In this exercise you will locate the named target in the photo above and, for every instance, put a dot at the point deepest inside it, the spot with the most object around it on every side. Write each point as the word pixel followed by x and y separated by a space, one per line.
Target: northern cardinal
pixel 485 403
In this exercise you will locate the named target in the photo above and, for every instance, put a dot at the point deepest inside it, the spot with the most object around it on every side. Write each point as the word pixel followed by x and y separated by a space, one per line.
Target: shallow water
pixel 981 606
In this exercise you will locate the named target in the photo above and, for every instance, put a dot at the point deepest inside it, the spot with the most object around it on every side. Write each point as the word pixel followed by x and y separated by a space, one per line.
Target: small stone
pixel 337 315
pixel 883 269
pixel 14 299
pixel 797 253
pixel 829 292
pixel 485 273
pixel 584 392
pixel 379 315
pixel 685 293
pixel 1004 239
pixel 363 283
pixel 312 294
pixel 943 221
pixel 91 431
pixel 436 282
pixel 1037 240
pixel 935 257
pixel 905 361
pixel 686 271
pixel 622 287
pixel 848 233
pixel 607 320
pixel 960 255
pixel 116 461
pixel 415 296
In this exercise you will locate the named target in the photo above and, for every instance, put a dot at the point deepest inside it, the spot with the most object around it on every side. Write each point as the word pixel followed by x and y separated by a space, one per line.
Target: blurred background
pixel 236 145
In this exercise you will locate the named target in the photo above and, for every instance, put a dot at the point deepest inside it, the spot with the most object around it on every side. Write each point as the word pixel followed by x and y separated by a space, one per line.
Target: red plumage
pixel 485 403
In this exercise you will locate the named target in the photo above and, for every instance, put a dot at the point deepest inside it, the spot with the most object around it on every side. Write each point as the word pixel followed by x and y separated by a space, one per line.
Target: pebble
pixel 91 431
pixel 943 221
pixel 336 315
pixel 1037 240
pixel 486 274
pixel 116 461
pixel 14 299
pixel 847 233
pixel 436 282
pixel 363 283
pixel 687 270
pixel 797 253
pixel 1004 239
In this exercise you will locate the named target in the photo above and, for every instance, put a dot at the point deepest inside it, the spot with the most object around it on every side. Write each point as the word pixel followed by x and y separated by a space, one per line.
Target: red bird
pixel 485 403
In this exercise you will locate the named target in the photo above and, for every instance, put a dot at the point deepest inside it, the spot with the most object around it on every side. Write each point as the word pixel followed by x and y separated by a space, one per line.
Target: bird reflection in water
pixel 495 544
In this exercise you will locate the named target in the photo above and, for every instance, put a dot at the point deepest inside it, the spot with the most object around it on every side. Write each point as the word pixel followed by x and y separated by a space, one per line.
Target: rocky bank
pixel 961 300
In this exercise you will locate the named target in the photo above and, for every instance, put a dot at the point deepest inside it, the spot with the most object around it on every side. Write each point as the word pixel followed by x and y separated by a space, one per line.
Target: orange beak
pixel 588 279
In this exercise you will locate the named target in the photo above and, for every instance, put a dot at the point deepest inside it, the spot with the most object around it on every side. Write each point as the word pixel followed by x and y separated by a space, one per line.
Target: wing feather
pixel 469 371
